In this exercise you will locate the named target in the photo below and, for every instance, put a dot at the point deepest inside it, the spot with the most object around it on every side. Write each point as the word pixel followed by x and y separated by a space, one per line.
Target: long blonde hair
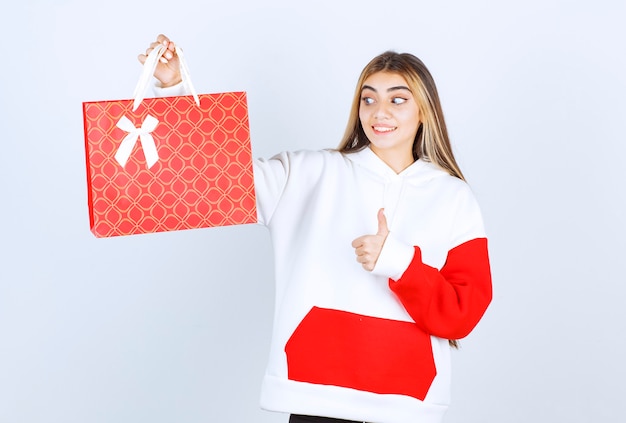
pixel 431 141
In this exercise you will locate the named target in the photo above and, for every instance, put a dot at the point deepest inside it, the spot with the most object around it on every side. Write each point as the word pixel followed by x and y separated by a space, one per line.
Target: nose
pixel 382 111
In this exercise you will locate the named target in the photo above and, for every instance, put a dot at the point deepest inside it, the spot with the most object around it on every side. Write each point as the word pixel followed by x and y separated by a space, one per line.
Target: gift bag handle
pixel 148 71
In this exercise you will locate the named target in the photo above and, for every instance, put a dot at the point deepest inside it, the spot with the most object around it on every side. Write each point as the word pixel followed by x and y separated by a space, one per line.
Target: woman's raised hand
pixel 368 247
pixel 168 69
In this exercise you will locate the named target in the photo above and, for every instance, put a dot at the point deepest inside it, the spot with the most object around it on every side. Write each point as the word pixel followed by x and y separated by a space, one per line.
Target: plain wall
pixel 175 327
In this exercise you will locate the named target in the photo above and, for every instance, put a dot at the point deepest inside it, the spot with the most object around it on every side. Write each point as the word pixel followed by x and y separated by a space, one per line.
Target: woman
pixel 368 340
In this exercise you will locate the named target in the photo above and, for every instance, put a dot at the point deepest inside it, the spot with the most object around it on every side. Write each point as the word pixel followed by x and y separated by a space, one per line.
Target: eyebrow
pixel 396 88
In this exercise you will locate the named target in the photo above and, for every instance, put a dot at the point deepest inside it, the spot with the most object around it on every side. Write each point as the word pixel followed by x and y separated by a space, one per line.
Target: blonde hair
pixel 431 141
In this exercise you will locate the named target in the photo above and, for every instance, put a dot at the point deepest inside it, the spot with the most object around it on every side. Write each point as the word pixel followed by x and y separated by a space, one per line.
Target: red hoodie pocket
pixel 332 347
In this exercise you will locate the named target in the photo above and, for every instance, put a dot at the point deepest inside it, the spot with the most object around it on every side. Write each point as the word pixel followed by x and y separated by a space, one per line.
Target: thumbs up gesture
pixel 368 247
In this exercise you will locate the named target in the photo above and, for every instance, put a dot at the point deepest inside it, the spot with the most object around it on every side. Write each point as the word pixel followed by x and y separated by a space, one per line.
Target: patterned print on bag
pixel 199 173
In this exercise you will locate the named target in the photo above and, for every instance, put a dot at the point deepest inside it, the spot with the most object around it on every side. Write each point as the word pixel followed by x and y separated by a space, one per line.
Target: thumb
pixel 382 223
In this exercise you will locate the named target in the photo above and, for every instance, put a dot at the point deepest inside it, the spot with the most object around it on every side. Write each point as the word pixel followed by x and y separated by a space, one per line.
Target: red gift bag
pixel 167 164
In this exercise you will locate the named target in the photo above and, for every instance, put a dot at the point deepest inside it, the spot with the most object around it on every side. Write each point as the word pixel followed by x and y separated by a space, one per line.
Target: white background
pixel 175 327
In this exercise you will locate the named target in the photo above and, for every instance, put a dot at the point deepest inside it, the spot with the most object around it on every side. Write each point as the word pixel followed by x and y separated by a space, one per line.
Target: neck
pixel 397 162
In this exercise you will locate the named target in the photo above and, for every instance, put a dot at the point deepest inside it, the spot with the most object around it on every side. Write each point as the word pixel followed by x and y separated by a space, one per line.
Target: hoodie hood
pixel 419 172
pixel 394 184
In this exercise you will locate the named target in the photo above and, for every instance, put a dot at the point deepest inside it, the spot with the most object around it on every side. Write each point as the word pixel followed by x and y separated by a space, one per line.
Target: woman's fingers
pixel 167 56
pixel 162 39
pixel 168 70
pixel 367 249
pixel 169 45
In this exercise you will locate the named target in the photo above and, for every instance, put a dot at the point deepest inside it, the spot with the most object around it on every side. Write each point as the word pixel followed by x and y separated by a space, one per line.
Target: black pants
pixel 297 418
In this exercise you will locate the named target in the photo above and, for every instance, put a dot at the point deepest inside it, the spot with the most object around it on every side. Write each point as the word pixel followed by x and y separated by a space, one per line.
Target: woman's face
pixel 390 117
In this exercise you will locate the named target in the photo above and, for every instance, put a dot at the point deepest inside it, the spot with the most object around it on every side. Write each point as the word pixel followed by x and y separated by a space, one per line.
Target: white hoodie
pixel 360 345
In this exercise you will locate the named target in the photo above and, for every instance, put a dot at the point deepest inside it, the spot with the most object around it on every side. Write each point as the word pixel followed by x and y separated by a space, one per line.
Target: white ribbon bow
pixel 147 142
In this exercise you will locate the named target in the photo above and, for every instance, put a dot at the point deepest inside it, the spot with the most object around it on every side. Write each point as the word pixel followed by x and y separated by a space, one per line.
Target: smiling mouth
pixel 384 129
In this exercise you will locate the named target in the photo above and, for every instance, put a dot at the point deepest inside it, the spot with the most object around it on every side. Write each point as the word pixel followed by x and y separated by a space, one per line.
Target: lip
pixel 384 129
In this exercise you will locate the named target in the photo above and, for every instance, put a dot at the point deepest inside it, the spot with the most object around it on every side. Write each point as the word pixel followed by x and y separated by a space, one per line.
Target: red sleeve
pixel 447 303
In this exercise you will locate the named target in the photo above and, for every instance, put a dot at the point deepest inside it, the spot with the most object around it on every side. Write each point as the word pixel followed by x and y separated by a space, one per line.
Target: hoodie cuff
pixel 173 91
pixel 394 258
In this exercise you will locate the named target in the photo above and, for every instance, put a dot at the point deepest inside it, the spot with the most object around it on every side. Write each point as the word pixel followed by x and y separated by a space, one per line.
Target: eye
pixel 398 100
pixel 367 100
